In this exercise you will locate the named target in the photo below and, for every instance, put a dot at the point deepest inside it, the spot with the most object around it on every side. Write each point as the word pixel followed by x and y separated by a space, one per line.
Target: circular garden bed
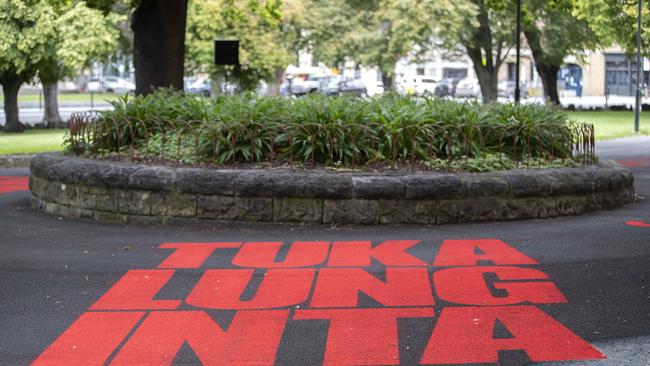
pixel 132 193
pixel 324 160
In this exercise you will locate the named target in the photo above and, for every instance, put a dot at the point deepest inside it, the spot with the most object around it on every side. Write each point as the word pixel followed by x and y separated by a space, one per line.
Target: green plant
pixel 330 131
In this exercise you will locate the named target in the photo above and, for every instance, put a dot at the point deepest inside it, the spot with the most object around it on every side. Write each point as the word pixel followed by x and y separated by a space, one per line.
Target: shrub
pixel 332 131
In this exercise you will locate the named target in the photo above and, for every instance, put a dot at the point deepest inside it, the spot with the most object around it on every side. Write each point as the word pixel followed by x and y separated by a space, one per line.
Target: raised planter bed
pixel 130 193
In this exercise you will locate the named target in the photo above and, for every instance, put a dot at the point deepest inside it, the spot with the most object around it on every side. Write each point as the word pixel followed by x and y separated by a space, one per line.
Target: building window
pixel 453 73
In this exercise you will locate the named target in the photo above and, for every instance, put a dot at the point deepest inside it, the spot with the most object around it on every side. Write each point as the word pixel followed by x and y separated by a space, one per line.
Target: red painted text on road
pixel 238 312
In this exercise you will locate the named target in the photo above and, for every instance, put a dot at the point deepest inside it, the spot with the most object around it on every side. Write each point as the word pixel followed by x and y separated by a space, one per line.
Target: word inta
pixel 361 291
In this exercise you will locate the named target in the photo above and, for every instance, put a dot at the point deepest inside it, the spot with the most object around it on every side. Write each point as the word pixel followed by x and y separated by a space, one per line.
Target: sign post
pixel 637 108
pixel 518 66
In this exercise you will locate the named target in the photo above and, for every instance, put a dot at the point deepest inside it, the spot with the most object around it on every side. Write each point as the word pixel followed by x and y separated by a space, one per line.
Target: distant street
pixel 32 115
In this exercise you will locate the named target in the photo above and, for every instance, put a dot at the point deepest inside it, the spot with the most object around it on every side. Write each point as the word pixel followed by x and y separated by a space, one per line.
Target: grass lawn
pixel 613 124
pixel 68 97
pixel 31 141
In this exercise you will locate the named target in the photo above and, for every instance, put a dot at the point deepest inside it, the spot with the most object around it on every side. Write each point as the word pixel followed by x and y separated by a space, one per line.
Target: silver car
pixel 468 88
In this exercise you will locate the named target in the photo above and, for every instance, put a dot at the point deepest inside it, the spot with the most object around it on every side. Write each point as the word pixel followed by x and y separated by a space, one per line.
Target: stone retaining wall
pixel 128 193
pixel 15 161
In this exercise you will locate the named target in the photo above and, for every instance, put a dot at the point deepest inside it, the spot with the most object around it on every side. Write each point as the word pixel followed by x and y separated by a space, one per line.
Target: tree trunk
pixel 488 82
pixel 487 76
pixel 387 80
pixel 274 86
pixel 159 44
pixel 51 118
pixel 548 74
pixel 10 87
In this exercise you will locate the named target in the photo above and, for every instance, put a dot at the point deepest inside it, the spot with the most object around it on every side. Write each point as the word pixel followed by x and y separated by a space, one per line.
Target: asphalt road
pixel 54 270
pixel 32 115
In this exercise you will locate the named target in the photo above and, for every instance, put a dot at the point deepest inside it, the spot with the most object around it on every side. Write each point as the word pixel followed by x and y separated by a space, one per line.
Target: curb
pixel 109 191
pixel 15 161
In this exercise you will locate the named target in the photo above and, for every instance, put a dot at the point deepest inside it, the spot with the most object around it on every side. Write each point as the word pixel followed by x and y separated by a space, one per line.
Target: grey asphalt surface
pixel 52 270
pixel 32 115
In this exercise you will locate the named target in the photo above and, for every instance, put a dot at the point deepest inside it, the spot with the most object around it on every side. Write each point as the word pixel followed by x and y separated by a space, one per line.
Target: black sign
pixel 226 52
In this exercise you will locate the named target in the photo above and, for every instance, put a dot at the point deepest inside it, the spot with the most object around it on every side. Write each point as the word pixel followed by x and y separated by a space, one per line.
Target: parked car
pixel 468 88
pixel 68 86
pixel 506 89
pixel 419 85
pixel 94 85
pixel 301 86
pixel 353 87
pixel 202 86
pixel 446 88
pixel 424 85
pixel 330 85
pixel 113 84
pixel 338 85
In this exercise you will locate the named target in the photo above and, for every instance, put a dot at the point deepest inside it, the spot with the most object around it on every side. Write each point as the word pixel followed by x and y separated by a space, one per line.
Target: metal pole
pixel 517 91
pixel 637 110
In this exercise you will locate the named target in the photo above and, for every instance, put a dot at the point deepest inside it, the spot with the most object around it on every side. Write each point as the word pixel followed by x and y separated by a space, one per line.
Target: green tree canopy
pixel 264 29
pixel 81 35
pixel 379 32
pixel 554 32
pixel 485 32
pixel 615 22
pixel 27 37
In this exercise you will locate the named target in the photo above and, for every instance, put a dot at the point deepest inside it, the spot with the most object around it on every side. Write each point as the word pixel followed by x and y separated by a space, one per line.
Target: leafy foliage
pixel 615 22
pixel 379 33
pixel 26 35
pixel 259 26
pixel 334 131
pixel 81 35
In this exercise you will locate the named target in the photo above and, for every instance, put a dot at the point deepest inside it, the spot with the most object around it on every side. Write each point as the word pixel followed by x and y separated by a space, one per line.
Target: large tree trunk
pixel 488 82
pixel 51 117
pixel 487 76
pixel 274 87
pixel 546 71
pixel 548 74
pixel 159 44
pixel 10 87
pixel 388 80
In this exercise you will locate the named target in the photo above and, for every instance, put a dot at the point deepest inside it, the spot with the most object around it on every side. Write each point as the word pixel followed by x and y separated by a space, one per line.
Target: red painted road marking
pixel 279 288
pixel 467 286
pixel 362 336
pixel 90 340
pixel 637 223
pixel 136 290
pixel 466 335
pixel 633 163
pixel 340 287
pixel 13 184
pixel 272 284
pixel 252 338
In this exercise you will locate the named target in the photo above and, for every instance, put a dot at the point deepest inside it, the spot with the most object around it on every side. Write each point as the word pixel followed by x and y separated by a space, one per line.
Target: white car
pixel 94 85
pixel 420 85
pixel 112 84
pixel 468 88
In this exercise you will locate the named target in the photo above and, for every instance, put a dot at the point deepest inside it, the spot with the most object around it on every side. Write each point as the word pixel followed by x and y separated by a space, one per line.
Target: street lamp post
pixel 517 67
pixel 637 110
